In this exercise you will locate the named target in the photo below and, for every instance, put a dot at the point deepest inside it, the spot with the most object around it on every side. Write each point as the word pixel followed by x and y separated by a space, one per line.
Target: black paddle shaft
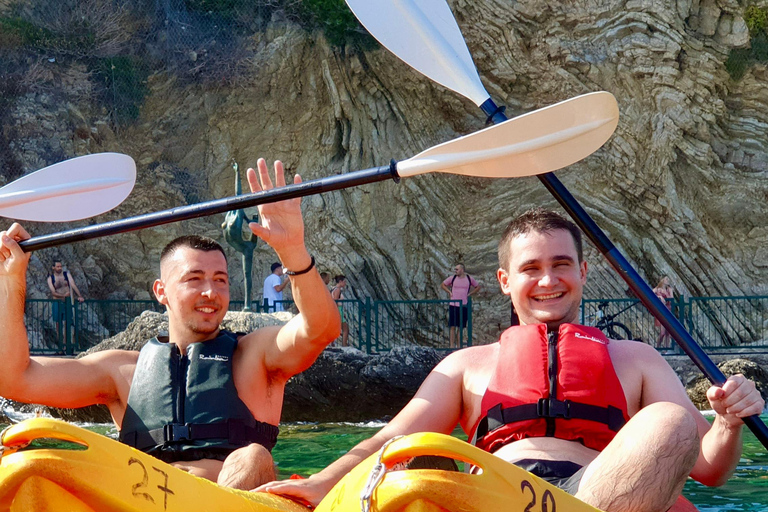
pixel 636 283
pixel 337 182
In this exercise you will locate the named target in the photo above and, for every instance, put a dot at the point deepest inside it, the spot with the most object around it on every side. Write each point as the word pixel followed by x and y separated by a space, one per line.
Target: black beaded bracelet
pixel 299 272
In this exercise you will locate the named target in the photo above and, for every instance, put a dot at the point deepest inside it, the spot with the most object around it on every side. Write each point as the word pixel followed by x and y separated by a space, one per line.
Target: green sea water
pixel 305 449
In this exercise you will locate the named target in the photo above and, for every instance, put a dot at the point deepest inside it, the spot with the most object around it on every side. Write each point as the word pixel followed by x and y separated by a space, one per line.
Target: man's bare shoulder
pixel 253 347
pixel 259 337
pixel 471 357
pixel 644 358
pixel 114 357
pixel 633 349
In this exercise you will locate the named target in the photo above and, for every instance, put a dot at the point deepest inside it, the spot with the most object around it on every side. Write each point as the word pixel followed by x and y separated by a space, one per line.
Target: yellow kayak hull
pixel 499 486
pixel 107 476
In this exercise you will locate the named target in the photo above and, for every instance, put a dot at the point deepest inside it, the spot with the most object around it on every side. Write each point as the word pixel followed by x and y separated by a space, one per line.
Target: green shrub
pixel 213 5
pixel 334 17
pixel 124 85
pixel 77 28
pixel 740 59
pixel 227 9
pixel 337 22
pixel 759 45
pixel 79 41
pixel 756 19
pixel 25 33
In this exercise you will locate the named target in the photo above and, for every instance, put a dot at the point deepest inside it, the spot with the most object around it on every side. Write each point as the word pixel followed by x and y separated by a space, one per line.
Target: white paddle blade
pixel 71 190
pixel 534 143
pixel 424 34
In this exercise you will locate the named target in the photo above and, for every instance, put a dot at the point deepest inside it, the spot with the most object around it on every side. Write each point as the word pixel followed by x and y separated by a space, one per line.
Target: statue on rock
pixel 241 238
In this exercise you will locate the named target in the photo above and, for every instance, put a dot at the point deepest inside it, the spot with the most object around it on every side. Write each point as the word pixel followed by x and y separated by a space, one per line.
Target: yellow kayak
pixel 107 476
pixel 377 484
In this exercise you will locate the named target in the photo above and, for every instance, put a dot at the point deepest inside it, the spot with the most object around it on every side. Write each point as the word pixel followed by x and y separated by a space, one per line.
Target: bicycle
pixel 612 328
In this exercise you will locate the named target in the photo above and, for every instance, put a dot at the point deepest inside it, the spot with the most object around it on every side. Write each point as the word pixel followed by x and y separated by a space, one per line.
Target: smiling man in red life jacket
pixel 605 420
pixel 206 400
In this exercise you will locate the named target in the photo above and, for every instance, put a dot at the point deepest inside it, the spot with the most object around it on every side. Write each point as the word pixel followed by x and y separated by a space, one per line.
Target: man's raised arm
pixel 318 323
pixel 43 380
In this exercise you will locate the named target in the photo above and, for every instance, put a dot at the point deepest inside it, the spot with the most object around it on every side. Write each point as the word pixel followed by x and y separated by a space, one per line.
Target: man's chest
pixel 478 377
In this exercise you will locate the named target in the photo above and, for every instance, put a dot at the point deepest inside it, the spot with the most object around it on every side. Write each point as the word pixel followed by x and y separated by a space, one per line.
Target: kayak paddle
pixel 540 141
pixel 433 45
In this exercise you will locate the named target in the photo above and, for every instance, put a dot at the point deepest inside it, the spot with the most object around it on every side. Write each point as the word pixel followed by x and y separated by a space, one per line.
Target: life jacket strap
pixel 549 408
pixel 235 431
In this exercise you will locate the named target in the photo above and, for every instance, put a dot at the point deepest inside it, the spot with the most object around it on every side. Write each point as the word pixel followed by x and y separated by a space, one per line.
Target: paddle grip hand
pixel 281 224
pixel 736 399
pixel 13 260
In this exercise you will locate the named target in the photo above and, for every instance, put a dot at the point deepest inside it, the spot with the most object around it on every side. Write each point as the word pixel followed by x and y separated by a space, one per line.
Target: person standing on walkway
pixel 62 287
pixel 338 295
pixel 665 292
pixel 274 285
pixel 460 286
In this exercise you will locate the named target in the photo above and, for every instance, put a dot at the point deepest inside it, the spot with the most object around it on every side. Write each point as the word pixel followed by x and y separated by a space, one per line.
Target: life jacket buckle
pixel 552 408
pixel 177 432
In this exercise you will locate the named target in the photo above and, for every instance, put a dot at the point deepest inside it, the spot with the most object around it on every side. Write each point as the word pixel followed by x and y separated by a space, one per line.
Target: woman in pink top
pixel 665 292
pixel 460 286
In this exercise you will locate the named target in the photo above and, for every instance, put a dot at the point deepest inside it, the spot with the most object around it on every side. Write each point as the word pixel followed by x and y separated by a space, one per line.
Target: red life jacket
pixel 562 385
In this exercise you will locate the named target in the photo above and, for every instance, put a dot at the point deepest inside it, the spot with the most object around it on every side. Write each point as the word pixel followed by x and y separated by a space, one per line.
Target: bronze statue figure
pixel 239 236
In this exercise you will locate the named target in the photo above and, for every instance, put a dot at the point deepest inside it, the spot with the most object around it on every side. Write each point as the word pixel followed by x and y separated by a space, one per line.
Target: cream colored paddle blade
pixel 71 190
pixel 423 34
pixel 534 143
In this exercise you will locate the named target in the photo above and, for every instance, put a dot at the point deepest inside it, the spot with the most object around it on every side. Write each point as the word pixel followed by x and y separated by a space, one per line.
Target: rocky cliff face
pixel 680 188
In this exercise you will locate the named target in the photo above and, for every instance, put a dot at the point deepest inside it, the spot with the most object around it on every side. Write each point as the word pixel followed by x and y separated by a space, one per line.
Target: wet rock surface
pixel 755 370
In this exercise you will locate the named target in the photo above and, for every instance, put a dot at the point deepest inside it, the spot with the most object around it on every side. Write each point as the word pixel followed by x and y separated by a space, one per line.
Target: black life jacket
pixel 186 407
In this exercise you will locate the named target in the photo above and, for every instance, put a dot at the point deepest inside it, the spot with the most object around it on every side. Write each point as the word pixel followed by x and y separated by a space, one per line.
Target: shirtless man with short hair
pixel 250 371
pixel 631 449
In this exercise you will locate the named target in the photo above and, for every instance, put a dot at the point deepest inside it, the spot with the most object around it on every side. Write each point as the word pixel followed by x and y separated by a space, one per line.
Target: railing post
pixel 368 330
pixel 76 324
pixel 68 327
pixel 469 321
pixel 681 316
pixel 59 321
pixel 360 312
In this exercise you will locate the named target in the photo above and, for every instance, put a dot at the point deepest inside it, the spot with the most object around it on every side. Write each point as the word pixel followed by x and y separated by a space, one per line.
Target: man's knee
pixel 669 421
pixel 669 432
pixel 252 455
pixel 247 468
pixel 647 463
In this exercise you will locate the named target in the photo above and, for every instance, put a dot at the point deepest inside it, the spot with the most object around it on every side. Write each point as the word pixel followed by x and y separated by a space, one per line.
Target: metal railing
pixel 719 324
pixel 727 323
pixel 374 326
pixel 377 326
